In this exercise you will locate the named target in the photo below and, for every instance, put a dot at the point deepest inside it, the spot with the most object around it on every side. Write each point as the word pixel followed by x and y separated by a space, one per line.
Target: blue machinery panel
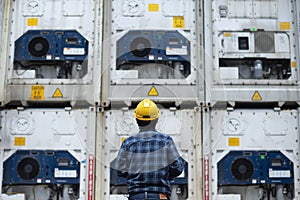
pixel 51 54
pixel 255 167
pixel 50 45
pixel 168 48
pixel 30 167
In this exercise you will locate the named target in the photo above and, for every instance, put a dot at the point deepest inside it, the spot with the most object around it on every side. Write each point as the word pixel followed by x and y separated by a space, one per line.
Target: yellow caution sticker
pixel 227 34
pixel 153 92
pixel 57 93
pixel 233 142
pixel 294 64
pixel 153 7
pixel 285 26
pixel 37 92
pixel 178 22
pixel 256 96
pixel 20 141
pixel 32 21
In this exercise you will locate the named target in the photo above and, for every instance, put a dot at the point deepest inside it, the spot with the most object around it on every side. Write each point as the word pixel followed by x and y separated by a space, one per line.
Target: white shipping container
pixel 152 43
pixel 46 152
pixel 182 125
pixel 247 149
pixel 259 40
pixel 56 45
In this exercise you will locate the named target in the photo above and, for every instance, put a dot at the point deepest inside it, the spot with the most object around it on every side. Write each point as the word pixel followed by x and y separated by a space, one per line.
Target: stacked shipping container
pixel 250 130
pixel 151 50
pixel 51 78
pixel 224 74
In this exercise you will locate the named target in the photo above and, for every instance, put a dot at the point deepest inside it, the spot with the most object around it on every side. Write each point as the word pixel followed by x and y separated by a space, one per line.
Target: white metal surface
pixel 2 44
pixel 249 130
pixel 82 16
pixel 237 34
pixel 51 129
pixel 182 125
pixel 228 197
pixel 161 15
pixel 13 197
pixel 1 19
pixel 147 14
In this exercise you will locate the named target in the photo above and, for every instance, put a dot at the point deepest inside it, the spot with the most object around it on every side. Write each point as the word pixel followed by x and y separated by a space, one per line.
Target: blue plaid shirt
pixel 149 160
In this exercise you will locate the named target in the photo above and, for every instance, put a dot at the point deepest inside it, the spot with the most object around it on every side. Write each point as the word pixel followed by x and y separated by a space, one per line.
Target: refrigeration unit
pixel 52 54
pixel 154 54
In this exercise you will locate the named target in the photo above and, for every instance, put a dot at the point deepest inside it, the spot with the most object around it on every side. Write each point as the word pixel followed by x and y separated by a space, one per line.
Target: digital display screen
pixel 276 162
pixel 243 43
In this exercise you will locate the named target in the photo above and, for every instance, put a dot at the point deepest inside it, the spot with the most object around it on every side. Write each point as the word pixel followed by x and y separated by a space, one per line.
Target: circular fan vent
pixel 38 47
pixel 242 169
pixel 140 47
pixel 264 42
pixel 28 168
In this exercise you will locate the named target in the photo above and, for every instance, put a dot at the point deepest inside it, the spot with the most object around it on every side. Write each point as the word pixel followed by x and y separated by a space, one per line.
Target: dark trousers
pixel 145 195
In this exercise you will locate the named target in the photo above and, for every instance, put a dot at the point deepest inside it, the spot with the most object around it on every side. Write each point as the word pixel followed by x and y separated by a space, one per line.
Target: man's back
pixel 149 160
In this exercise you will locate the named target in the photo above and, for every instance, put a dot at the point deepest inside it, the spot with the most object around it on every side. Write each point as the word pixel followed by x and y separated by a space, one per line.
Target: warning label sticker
pixel 153 7
pixel 153 92
pixel 37 92
pixel 285 26
pixel 20 141
pixel 233 142
pixel 256 96
pixel 57 93
pixel 32 21
pixel 178 22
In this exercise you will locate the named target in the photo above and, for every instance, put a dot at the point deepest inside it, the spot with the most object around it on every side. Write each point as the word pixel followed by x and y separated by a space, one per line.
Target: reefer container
pixel 52 51
pixel 251 50
pixel 152 49
pixel 47 153
pixel 184 126
pixel 251 154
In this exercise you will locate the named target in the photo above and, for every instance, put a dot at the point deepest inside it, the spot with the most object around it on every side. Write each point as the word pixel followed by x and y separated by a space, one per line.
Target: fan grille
pixel 28 168
pixel 140 47
pixel 242 169
pixel 38 47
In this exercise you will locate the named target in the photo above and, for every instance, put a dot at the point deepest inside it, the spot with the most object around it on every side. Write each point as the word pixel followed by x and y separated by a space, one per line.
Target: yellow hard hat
pixel 146 110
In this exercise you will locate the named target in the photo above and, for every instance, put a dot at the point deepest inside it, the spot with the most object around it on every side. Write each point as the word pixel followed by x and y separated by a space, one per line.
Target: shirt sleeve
pixel 176 165
pixel 120 163
pixel 176 168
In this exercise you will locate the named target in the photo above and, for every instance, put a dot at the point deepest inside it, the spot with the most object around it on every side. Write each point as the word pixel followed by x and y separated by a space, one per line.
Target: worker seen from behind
pixel 149 160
